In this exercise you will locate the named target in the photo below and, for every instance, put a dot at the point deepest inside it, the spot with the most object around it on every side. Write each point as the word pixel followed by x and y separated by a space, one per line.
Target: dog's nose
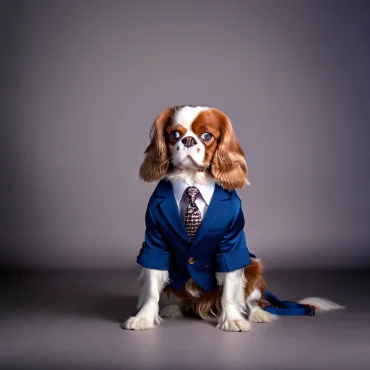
pixel 188 141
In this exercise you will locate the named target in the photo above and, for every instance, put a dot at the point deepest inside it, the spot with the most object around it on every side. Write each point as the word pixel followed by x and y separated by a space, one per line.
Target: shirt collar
pixel 206 190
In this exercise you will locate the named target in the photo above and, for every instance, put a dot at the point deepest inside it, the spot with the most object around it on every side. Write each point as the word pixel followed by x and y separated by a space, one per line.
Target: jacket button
pixel 191 260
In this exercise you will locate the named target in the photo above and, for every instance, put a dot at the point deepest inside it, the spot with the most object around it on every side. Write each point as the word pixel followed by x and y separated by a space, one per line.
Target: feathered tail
pixel 321 304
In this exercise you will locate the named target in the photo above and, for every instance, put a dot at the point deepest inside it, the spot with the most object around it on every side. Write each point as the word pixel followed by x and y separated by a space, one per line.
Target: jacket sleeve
pixel 233 252
pixel 154 253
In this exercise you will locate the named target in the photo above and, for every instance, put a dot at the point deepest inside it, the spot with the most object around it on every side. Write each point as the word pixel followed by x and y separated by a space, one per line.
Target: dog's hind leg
pixel 256 313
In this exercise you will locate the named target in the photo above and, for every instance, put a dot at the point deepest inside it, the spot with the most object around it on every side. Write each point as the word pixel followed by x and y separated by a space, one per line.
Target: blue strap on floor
pixel 287 308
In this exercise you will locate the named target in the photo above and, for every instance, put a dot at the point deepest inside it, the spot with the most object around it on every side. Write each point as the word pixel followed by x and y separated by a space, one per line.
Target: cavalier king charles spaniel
pixel 196 146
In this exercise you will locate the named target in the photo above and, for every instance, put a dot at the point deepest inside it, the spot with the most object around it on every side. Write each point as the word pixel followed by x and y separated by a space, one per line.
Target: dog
pixel 195 256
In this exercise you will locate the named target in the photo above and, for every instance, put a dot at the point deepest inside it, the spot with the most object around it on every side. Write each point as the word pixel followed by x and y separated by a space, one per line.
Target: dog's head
pixel 194 138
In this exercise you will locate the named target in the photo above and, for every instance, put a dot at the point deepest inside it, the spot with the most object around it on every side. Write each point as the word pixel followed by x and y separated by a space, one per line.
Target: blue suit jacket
pixel 219 245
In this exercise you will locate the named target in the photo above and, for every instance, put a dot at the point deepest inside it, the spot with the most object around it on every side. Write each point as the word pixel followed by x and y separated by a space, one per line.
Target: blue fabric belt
pixel 287 308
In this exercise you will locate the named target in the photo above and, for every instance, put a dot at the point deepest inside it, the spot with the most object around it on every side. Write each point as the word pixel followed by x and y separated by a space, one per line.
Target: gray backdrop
pixel 81 82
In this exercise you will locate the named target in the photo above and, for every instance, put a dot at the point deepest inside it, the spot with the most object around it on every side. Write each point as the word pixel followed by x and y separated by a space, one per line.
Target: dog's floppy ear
pixel 156 160
pixel 228 166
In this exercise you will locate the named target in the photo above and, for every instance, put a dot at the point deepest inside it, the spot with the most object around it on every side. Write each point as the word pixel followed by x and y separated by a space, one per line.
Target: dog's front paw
pixel 141 323
pixel 259 315
pixel 240 324
pixel 171 310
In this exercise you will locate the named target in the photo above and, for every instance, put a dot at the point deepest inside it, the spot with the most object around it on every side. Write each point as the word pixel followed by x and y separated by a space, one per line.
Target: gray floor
pixel 71 321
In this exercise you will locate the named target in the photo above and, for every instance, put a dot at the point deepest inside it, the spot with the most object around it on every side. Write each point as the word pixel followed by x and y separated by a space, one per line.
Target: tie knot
pixel 192 192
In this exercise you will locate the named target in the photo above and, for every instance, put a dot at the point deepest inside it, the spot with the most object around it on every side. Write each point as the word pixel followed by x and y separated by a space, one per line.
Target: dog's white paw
pixel 259 315
pixel 141 322
pixel 172 310
pixel 234 325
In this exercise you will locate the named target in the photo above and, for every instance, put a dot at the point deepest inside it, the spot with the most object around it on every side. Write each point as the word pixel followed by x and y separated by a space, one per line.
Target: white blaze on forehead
pixel 186 116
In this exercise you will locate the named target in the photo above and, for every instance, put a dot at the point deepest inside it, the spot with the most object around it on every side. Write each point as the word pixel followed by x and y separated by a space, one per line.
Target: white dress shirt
pixel 202 201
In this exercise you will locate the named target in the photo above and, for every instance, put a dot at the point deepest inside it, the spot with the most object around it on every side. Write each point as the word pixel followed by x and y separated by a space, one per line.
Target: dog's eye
pixel 175 135
pixel 206 136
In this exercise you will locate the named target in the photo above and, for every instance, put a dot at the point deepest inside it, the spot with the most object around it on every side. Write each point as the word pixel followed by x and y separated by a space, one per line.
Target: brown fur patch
pixel 205 306
pixel 156 161
pixel 228 164
pixel 174 127
pixel 255 280
pixel 207 121
pixel 223 151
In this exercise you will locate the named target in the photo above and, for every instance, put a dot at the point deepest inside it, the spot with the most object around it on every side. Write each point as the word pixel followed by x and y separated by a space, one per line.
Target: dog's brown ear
pixel 228 164
pixel 156 161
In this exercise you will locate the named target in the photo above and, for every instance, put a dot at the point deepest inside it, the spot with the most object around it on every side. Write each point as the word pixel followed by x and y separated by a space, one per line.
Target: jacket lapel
pixel 214 212
pixel 170 209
